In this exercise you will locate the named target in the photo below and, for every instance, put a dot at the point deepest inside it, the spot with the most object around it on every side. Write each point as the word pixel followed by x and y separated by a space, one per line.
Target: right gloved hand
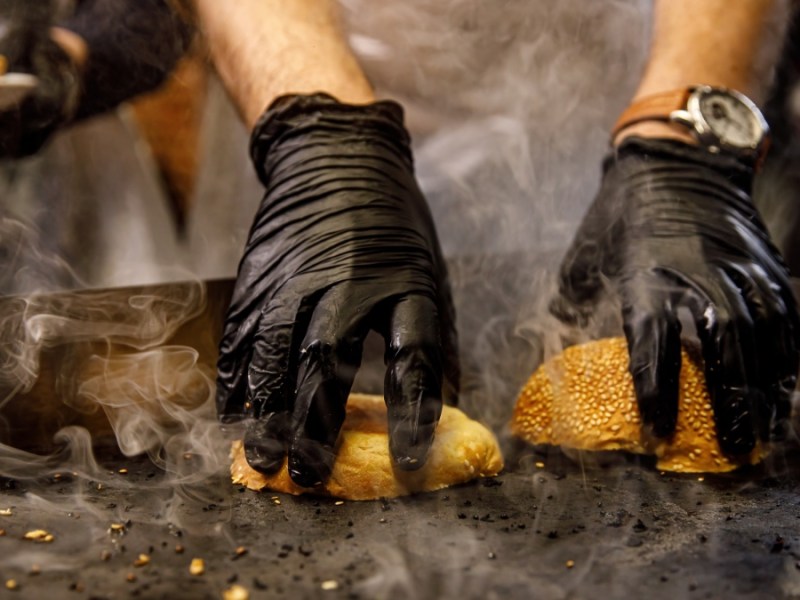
pixel 27 125
pixel 342 243
pixel 673 226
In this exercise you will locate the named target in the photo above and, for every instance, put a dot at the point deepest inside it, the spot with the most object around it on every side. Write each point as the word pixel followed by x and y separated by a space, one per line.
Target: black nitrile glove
pixel 25 127
pixel 343 243
pixel 673 226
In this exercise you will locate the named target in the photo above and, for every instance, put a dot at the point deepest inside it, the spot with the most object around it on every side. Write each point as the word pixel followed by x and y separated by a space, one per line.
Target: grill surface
pixel 628 529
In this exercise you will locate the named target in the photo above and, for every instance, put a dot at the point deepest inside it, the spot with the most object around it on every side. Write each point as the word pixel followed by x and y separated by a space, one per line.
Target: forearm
pixel 263 49
pixel 129 48
pixel 715 42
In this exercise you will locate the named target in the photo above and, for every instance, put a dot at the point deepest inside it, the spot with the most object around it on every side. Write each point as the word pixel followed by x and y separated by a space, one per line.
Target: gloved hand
pixel 342 243
pixel 674 226
pixel 26 126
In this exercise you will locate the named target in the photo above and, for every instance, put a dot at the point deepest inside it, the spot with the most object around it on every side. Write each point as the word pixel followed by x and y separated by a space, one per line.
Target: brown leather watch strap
pixel 657 107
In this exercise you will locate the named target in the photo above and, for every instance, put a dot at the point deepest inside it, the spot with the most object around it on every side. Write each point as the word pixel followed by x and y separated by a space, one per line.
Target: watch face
pixel 731 118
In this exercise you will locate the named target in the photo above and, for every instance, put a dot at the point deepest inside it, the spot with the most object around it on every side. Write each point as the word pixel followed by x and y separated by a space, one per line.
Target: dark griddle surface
pixel 630 531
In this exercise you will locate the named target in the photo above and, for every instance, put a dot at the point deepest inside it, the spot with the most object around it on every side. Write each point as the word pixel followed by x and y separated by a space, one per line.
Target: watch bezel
pixel 704 131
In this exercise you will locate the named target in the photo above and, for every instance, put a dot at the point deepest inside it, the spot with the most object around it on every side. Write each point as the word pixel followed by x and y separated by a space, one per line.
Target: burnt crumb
pixel 385 505
pixel 663 579
pixel 503 517
pixel 349 523
pixel 777 545
pixel 702 538
pixel 615 519
pixel 350 536
pixel 76 586
pixel 287 547
pixel 304 551
pixel 259 585
pixel 232 579
pixel 491 482
pixel 462 515
pixel 639 526
pixel 551 535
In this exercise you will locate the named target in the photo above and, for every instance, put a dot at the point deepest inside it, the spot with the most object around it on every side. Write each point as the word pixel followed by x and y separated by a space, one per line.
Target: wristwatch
pixel 721 120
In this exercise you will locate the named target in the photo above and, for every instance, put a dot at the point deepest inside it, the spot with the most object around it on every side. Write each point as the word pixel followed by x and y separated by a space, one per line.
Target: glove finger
pixel 269 382
pixel 235 350
pixel 580 281
pixel 265 442
pixel 413 384
pixel 452 365
pixel 329 359
pixel 775 349
pixel 726 334
pixel 653 332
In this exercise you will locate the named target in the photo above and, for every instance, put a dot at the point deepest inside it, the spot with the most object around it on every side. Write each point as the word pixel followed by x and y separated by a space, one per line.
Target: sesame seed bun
pixel 462 450
pixel 584 399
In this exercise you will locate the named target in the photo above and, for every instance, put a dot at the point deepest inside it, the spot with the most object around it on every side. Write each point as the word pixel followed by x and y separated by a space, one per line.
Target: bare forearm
pixel 715 42
pixel 266 48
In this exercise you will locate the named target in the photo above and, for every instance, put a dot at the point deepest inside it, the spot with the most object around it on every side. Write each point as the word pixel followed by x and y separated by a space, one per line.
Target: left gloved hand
pixel 342 243
pixel 25 127
pixel 674 226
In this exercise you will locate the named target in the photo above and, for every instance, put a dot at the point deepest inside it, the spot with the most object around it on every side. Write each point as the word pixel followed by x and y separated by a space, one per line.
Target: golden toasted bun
pixel 462 450
pixel 584 399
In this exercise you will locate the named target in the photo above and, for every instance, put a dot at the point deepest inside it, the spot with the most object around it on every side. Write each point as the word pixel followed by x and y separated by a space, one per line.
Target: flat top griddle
pixel 550 527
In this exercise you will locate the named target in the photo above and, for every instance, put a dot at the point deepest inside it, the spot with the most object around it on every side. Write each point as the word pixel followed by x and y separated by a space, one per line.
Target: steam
pixel 104 353
pixel 509 104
